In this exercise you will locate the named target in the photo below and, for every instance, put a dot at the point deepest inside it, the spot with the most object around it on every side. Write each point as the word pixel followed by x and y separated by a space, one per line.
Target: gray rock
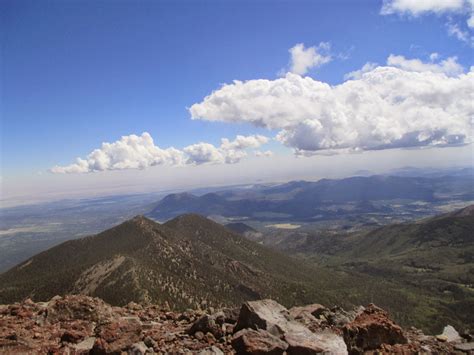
pixel 451 334
pixel 311 311
pixel 209 324
pixel 231 315
pixel 275 319
pixel 301 341
pixel 85 345
pixel 213 350
pixel 339 317
pixel 465 347
pixel 264 314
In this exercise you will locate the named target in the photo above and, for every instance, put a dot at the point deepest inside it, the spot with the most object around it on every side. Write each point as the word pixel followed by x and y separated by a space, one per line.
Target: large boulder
pixel 264 314
pixel 250 341
pixel 77 307
pixel 370 330
pixel 272 317
pixel 301 341
pixel 450 335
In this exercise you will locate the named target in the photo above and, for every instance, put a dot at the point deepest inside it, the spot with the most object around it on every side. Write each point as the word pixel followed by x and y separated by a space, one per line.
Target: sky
pixel 125 96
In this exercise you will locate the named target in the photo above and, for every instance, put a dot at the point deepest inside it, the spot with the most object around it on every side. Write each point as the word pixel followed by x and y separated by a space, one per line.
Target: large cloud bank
pixel 140 152
pixel 384 107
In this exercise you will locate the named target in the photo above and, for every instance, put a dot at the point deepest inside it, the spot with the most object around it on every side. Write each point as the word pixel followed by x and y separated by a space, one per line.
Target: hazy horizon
pixel 156 95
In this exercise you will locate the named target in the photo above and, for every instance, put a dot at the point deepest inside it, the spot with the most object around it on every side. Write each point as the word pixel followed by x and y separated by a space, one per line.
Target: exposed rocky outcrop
pixel 85 325
pixel 370 330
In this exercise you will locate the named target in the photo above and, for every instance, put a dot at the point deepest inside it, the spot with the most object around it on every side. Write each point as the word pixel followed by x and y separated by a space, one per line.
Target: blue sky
pixel 76 74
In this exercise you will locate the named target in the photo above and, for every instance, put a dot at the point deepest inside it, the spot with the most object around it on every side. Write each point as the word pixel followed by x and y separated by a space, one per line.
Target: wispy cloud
pixel 416 8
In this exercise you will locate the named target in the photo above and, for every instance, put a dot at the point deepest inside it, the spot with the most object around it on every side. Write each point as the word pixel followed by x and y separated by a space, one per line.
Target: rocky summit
pixel 79 324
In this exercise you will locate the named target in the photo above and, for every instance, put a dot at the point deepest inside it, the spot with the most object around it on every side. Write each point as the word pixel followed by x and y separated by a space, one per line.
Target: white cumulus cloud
pixel 449 66
pixel 243 142
pixel 266 154
pixel 304 59
pixel 201 153
pixel 357 74
pixel 130 152
pixel 140 152
pixel 386 107
pixel 229 152
pixel 419 7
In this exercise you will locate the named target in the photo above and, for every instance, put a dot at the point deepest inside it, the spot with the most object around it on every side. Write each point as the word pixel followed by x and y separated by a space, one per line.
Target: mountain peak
pixel 190 219
pixel 140 219
pixel 140 223
pixel 176 263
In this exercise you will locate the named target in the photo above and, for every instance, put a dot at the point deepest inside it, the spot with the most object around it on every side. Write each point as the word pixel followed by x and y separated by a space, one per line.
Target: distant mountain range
pixel 310 201
pixel 355 203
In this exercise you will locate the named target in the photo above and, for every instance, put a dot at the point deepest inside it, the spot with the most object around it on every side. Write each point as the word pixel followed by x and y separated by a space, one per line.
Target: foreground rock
pixel 371 329
pixel 250 341
pixel 85 325
pixel 276 320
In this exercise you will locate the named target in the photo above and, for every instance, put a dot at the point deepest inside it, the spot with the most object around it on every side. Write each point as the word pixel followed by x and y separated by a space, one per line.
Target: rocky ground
pixel 85 325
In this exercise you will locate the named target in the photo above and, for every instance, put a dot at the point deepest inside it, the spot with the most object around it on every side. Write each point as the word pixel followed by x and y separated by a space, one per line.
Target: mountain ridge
pixel 185 262
pixel 303 200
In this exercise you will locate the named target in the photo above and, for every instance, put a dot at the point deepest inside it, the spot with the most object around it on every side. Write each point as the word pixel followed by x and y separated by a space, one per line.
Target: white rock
pixel 213 350
pixel 138 349
pixel 451 334
pixel 85 345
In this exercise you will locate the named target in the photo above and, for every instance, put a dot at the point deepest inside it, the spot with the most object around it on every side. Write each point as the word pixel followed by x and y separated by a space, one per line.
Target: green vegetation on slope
pixel 187 262
pixel 191 261
pixel 433 258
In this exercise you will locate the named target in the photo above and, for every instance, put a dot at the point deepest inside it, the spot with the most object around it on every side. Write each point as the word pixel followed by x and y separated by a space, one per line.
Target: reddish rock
pixel 121 333
pixel 370 330
pixel 85 325
pixel 257 342
pixel 72 336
